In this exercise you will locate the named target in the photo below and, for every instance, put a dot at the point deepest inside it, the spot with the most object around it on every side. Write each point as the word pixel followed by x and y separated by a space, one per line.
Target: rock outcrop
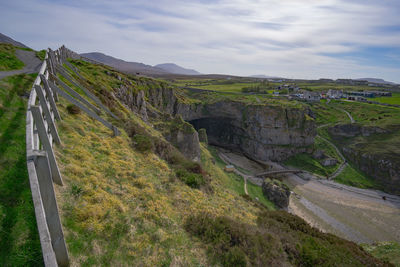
pixel 353 129
pixel 378 160
pixel 259 130
pixel 182 135
pixel 203 135
pixel 277 192
pixel 383 167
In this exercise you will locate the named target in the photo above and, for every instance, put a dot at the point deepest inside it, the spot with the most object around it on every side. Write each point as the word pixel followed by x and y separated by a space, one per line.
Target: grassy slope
pixel 330 114
pixel 394 99
pixel 132 200
pixel 353 177
pixel 8 60
pixel 19 240
pixel 308 163
pixel 383 145
pixel 389 251
pixel 236 183
pixel 121 207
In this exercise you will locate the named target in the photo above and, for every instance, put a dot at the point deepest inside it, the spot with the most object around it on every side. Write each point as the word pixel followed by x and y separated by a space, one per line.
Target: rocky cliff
pixel 365 146
pixel 261 131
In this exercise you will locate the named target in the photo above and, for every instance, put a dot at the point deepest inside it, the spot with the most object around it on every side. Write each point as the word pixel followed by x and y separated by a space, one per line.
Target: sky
pixel 307 39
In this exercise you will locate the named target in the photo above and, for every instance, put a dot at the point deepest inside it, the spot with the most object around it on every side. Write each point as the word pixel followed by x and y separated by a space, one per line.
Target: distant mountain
pixel 375 80
pixel 135 67
pixel 130 67
pixel 175 69
pixel 9 40
pixel 262 76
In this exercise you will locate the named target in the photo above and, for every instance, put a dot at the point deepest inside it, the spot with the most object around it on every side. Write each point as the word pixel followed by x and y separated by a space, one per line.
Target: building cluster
pixel 313 96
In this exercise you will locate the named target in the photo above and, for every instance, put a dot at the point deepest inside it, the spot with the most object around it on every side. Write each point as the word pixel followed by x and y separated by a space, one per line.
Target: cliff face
pixel 365 146
pixel 382 167
pixel 261 131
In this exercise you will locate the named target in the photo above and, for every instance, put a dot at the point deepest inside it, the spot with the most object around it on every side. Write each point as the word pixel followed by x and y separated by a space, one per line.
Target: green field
pixel 19 239
pixel 394 99
pixel 370 114
pixel 229 88
pixel 351 176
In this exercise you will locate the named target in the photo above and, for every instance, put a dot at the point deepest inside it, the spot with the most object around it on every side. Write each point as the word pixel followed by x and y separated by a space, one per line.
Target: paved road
pixel 32 64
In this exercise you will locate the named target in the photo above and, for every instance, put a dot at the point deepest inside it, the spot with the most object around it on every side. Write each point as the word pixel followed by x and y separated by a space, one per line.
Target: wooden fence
pixel 41 134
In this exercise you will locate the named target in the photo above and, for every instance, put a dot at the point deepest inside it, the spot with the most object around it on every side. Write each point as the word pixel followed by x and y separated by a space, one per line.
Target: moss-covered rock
pixel 277 192
pixel 203 135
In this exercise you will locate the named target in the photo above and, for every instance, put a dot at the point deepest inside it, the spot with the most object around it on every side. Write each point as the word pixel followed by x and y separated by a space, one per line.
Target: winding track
pixel 32 64
pixel 342 166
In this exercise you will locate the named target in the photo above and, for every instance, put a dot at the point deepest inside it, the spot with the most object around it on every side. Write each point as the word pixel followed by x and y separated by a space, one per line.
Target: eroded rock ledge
pixel 261 131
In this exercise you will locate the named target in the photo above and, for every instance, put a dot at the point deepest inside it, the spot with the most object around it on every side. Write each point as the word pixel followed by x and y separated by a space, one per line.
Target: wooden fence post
pixel 50 208
pixel 44 139
pixel 49 256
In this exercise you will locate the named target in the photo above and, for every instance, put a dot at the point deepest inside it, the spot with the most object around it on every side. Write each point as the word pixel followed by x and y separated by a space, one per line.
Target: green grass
pixel 19 239
pixel 8 60
pixel 327 113
pixel 236 183
pixel 351 176
pixel 370 114
pixel 228 88
pixel 328 149
pixel 278 239
pixel 388 251
pixel 394 99
pixel 41 54
pixel 255 191
pixel 307 162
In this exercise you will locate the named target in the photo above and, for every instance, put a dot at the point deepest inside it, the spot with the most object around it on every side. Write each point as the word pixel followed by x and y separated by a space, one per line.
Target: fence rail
pixel 41 134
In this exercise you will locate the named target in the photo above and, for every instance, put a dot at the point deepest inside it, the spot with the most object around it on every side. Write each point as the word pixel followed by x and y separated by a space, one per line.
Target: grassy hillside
pixel 123 205
pixel 389 251
pixel 370 115
pixel 8 60
pixel 19 239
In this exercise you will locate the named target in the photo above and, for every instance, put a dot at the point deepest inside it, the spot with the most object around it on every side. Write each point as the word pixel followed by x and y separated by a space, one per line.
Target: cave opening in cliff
pixel 221 131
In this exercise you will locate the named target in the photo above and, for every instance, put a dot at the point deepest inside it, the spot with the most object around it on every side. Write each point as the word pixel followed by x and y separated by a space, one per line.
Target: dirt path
pixel 344 162
pixel 348 115
pixel 227 161
pixel 32 63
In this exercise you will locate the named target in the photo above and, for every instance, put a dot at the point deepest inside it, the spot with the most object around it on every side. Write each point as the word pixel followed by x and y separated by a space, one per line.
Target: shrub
pixel 143 143
pixel 193 180
pixel 72 109
pixel 279 238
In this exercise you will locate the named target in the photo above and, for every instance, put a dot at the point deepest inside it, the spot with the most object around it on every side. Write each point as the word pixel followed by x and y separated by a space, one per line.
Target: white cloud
pixel 287 38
